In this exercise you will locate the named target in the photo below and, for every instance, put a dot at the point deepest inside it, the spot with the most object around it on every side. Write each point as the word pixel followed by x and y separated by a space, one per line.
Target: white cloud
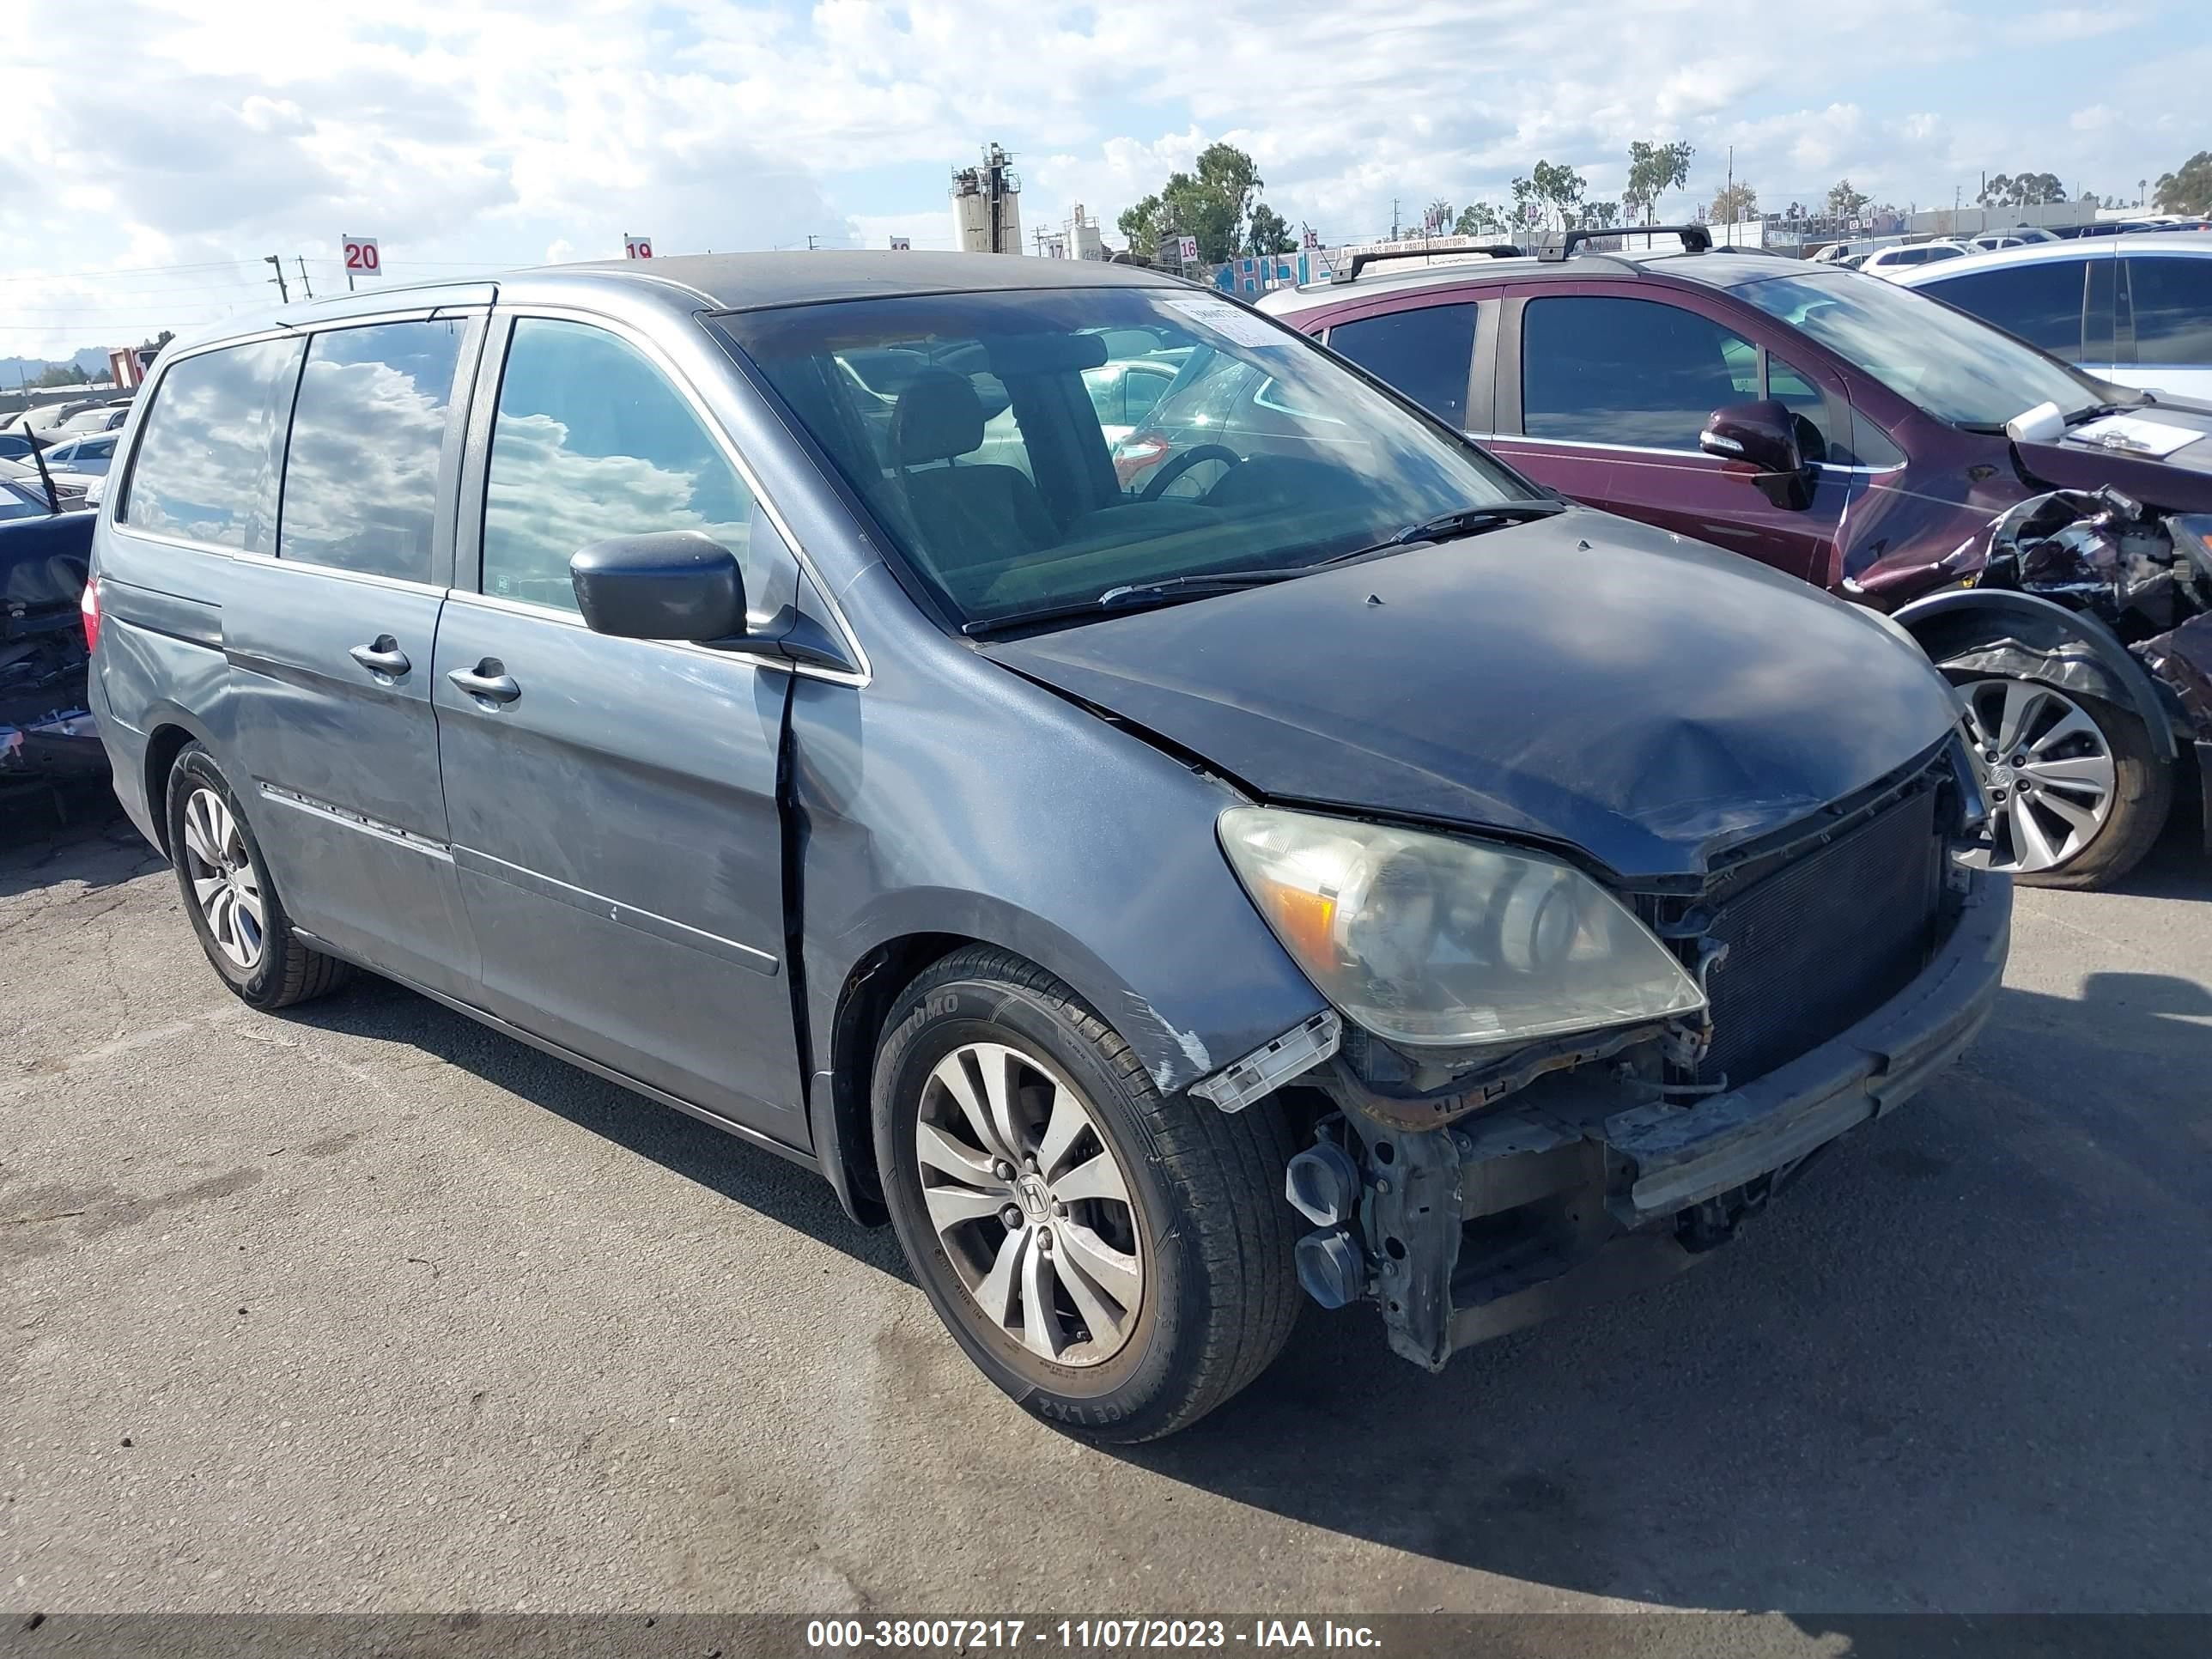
pixel 472 132
pixel 2075 23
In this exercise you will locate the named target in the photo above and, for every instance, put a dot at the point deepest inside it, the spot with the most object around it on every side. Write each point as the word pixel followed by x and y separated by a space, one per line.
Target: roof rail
pixel 1696 239
pixel 1361 261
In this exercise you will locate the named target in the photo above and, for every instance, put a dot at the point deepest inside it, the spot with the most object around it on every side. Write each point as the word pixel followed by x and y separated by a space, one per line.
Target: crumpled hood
pixel 1582 680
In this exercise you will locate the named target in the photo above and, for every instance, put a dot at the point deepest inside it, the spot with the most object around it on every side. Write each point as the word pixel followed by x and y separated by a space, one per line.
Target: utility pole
pixel 1393 218
pixel 1730 197
pixel 809 243
pixel 303 278
pixel 283 295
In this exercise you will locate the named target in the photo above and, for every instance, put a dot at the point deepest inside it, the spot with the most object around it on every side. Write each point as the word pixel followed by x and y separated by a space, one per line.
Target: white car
pixel 1894 263
pixel 106 418
pixel 75 488
pixel 93 452
pixel 2134 309
pixel 1991 241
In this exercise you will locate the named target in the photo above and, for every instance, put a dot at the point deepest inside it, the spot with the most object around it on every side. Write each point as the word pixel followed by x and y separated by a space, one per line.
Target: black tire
pixel 1215 1232
pixel 2142 797
pixel 286 971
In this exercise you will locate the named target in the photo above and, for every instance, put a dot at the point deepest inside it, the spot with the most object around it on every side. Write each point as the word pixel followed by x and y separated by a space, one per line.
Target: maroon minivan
pixel 1836 426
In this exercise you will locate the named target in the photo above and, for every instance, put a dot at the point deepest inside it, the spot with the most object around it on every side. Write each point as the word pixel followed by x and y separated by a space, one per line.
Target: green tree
pixel 1550 194
pixel 1733 204
pixel 1213 203
pixel 1843 201
pixel 1269 233
pixel 1560 188
pixel 1144 225
pixel 1477 219
pixel 2021 190
pixel 2188 188
pixel 1653 170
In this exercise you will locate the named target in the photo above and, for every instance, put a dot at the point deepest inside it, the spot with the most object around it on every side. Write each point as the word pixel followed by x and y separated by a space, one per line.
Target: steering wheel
pixel 1157 485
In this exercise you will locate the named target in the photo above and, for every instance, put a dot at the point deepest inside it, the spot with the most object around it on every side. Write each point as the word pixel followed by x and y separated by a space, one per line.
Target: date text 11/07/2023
pixel 1082 1635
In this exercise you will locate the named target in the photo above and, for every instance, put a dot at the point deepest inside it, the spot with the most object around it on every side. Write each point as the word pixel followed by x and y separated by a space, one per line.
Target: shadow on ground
pixel 698 1151
pixel 2180 866
pixel 1952 1370
pixel 1980 1324
pixel 1960 1367
pixel 74 833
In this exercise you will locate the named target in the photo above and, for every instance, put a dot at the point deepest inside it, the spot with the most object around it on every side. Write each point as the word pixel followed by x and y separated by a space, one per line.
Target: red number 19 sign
pixel 638 247
pixel 361 258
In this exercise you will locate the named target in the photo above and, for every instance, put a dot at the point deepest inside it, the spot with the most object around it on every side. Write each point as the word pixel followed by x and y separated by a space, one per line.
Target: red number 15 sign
pixel 361 258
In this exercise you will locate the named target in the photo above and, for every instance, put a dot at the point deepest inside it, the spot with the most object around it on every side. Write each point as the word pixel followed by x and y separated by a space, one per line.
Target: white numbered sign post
pixel 361 258
pixel 638 247
pixel 1187 248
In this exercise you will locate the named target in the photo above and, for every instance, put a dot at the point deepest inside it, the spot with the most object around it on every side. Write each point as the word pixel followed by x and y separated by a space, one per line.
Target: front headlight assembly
pixel 1431 942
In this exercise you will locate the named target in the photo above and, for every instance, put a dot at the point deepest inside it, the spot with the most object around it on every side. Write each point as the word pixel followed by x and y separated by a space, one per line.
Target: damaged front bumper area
pixel 1581 1186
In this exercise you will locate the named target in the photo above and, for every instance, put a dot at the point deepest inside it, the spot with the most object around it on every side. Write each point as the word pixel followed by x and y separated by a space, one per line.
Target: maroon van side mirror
pixel 1761 436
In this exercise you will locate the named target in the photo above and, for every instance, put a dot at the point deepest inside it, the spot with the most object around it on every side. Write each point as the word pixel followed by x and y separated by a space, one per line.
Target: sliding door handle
pixel 488 682
pixel 382 655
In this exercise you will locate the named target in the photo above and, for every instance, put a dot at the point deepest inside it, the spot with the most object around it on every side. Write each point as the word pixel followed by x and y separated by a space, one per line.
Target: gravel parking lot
pixel 367 1308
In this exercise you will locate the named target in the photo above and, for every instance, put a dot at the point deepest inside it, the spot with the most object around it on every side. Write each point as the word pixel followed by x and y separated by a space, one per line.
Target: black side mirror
pixel 1762 437
pixel 675 585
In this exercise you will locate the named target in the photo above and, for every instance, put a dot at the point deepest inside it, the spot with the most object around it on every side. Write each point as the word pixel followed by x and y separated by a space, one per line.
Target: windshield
pixel 1957 369
pixel 971 425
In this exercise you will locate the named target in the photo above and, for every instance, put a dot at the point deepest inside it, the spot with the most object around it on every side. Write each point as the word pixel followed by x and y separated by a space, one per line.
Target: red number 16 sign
pixel 361 258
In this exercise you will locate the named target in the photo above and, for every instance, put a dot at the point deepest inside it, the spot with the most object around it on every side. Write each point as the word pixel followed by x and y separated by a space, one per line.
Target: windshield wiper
pixel 1204 581
pixel 2094 410
pixel 1449 526
pixel 1138 596
pixel 1131 596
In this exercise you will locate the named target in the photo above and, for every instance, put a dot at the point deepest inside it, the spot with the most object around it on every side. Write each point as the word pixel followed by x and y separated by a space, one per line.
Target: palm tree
pixel 1439 214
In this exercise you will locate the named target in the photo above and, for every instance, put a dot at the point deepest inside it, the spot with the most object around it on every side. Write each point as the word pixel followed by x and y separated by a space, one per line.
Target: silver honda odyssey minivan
pixel 1316 859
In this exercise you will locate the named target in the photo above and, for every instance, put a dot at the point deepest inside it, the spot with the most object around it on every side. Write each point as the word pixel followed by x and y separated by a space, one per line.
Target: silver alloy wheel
pixel 1030 1204
pixel 2045 770
pixel 222 878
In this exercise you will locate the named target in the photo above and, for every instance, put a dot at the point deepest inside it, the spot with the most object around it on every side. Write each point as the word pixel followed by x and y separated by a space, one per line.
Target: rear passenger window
pixel 2174 308
pixel 361 475
pixel 207 461
pixel 2040 303
pixel 1426 354
pixel 1629 372
pixel 591 443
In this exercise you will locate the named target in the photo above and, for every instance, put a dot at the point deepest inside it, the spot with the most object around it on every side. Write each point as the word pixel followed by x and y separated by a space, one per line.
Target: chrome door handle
pixel 382 655
pixel 488 682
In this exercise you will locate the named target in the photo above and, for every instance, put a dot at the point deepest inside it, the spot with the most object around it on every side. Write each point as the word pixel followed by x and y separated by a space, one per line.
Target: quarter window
pixel 207 462
pixel 360 475
pixel 1426 354
pixel 2174 308
pixel 1631 371
pixel 2040 302
pixel 591 443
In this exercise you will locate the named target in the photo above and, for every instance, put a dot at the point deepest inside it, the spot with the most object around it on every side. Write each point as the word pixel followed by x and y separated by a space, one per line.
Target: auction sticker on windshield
pixel 1233 322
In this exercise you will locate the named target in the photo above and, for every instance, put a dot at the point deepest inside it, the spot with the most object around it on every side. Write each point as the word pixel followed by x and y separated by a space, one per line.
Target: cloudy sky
pixel 157 151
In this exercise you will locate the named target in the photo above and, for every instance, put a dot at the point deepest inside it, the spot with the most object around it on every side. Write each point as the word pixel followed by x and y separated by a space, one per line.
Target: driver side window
pixel 1642 373
pixel 591 441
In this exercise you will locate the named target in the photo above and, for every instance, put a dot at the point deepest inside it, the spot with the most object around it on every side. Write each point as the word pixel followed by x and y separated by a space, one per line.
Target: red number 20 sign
pixel 361 258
